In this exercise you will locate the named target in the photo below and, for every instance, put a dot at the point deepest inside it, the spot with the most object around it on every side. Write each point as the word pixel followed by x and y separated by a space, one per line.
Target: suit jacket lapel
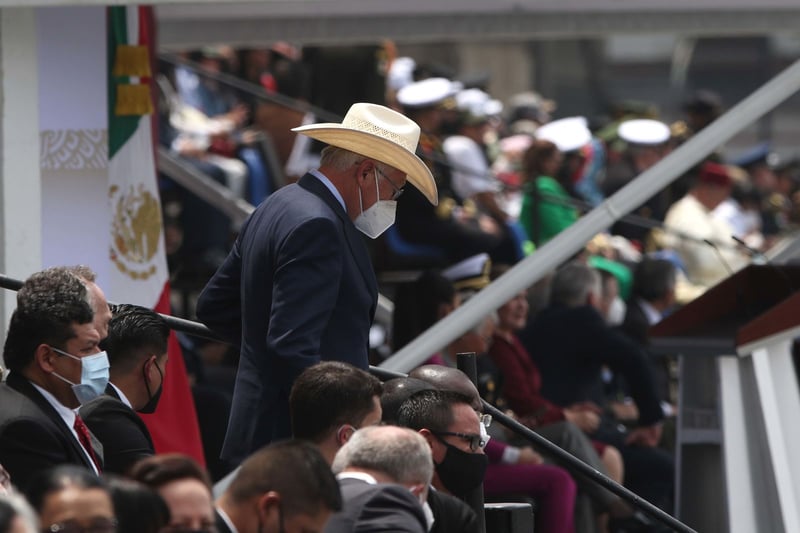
pixel 24 387
pixel 355 241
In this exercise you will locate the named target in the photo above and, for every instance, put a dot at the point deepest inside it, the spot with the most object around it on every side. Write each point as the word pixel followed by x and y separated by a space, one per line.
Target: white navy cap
pixel 427 93
pixel 471 273
pixel 567 134
pixel 644 131
pixel 401 73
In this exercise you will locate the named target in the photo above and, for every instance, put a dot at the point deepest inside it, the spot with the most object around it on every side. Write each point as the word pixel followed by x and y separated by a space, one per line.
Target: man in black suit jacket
pixel 570 342
pixel 298 286
pixel 137 349
pixel 286 486
pixel 50 335
pixel 384 473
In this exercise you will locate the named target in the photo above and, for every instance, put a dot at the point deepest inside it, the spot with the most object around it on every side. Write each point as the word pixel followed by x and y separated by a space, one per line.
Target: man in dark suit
pixel 286 486
pixel 570 342
pixel 52 352
pixel 137 350
pixel 330 401
pixel 298 286
pixel 384 473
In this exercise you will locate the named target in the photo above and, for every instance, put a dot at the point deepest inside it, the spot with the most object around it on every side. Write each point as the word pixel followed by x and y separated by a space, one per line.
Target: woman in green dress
pixel 546 204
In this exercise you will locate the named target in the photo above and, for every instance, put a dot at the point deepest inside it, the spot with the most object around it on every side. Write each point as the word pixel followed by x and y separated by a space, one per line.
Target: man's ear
pixel 44 357
pixel 269 504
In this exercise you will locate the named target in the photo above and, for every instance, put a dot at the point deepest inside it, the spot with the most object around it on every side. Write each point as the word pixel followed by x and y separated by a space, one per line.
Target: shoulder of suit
pixel 104 404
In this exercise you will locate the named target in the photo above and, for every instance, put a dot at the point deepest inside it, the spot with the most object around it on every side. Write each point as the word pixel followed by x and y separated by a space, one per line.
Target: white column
pixel 780 405
pixel 20 181
pixel 738 480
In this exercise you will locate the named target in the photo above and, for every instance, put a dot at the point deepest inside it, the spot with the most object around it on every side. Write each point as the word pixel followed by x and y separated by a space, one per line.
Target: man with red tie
pixel 52 352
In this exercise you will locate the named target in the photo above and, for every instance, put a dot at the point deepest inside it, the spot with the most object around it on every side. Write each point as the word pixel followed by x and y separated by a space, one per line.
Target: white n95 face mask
pixel 377 219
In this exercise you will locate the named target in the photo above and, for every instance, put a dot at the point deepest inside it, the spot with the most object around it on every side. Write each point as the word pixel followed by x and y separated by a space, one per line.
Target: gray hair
pixel 22 509
pixel 573 283
pixel 341 159
pixel 400 453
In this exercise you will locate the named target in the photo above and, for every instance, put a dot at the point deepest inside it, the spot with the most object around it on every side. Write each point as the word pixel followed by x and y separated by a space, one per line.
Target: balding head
pixel 448 379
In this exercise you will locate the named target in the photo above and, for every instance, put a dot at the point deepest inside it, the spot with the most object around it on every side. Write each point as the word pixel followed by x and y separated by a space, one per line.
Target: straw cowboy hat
pixel 382 134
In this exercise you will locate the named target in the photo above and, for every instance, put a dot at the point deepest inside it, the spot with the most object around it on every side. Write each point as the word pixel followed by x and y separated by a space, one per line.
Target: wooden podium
pixel 738 403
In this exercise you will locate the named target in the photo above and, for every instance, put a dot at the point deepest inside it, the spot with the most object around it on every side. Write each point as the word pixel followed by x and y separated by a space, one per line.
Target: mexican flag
pixel 138 273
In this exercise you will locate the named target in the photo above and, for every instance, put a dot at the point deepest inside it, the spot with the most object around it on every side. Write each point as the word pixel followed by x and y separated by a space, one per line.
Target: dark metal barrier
pixel 564 458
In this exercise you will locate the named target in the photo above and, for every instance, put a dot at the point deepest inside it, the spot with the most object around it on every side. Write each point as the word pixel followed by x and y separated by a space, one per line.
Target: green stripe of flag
pixel 120 129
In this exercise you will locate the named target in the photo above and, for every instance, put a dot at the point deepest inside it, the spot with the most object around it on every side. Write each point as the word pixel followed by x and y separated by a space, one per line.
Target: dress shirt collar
pixel 330 186
pixel 652 314
pixel 66 414
pixel 122 397
pixel 227 520
pixel 357 475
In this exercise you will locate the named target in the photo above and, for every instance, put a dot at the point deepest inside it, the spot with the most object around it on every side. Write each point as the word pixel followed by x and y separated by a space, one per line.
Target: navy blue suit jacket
pixel 297 287
pixel 382 507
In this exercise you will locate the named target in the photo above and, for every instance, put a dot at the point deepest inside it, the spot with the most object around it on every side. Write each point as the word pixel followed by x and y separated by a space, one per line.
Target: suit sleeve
pixel 27 447
pixel 627 359
pixel 219 306
pixel 305 292
pixel 122 435
pixel 392 509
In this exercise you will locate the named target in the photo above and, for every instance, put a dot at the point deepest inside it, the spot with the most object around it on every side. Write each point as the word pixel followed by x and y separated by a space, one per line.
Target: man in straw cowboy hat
pixel 298 286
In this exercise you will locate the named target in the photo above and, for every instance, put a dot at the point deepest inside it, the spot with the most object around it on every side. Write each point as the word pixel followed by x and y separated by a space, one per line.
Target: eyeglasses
pixel 397 190
pixel 98 526
pixel 476 442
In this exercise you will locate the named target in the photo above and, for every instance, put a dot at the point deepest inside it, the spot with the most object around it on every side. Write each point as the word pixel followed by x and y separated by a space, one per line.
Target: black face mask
pixel 460 472
pixel 152 403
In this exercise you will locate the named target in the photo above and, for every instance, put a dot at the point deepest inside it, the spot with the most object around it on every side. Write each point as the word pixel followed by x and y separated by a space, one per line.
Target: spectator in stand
pixel 69 498
pixel 513 470
pixel 139 508
pixel 137 351
pixel 571 366
pixel 384 473
pixel 454 229
pixel 52 352
pixel 186 488
pixel 330 401
pixel 285 486
pixel 546 210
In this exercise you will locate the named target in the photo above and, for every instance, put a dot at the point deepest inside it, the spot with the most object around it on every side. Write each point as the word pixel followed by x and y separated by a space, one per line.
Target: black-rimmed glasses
pixel 476 441
pixel 397 190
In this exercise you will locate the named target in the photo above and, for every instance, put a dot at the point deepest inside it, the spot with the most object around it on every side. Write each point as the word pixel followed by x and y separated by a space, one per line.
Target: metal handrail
pixel 567 460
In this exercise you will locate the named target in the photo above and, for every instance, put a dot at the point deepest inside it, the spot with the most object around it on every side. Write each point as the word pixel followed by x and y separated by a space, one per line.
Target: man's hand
pixel 648 436
pixel 528 456
pixel 586 420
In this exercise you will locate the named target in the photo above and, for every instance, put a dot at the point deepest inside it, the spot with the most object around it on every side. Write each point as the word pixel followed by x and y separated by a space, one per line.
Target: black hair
pixel 294 469
pixel 395 392
pixel 138 508
pixel 158 470
pixel 134 333
pixel 431 409
pixel 328 395
pixel 56 479
pixel 49 304
pixel 653 279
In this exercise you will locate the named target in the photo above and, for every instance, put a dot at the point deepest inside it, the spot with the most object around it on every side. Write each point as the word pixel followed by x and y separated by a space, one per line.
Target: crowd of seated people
pixel 508 183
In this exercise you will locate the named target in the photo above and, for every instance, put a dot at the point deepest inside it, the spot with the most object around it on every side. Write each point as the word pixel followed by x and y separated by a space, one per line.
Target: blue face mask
pixel 94 376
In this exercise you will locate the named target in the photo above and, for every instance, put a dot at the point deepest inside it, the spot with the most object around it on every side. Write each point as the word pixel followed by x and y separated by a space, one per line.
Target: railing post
pixel 466 363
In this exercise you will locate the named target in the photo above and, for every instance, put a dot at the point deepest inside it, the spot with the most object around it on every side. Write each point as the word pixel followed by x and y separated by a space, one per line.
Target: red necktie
pixel 86 440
